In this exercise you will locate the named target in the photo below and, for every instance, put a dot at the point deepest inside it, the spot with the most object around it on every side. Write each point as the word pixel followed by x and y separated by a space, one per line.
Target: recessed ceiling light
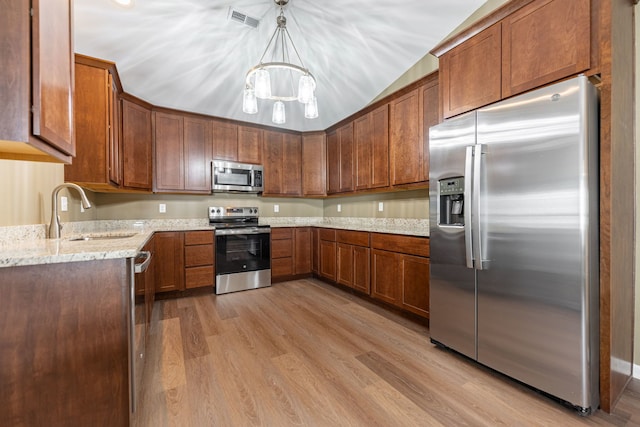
pixel 124 3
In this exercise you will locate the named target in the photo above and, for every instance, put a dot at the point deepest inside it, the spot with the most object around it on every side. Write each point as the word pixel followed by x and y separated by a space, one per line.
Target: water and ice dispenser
pixel 451 193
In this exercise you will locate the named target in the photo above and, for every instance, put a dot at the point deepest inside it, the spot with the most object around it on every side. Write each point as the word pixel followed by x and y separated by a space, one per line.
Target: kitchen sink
pixel 101 237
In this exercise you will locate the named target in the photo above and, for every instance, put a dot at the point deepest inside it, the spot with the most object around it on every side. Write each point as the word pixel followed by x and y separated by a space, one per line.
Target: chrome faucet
pixel 55 227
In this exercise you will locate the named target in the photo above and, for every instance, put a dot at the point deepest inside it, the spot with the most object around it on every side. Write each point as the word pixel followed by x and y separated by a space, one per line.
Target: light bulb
pixel 306 86
pixel 311 109
pixel 278 113
pixel 263 84
pixel 249 102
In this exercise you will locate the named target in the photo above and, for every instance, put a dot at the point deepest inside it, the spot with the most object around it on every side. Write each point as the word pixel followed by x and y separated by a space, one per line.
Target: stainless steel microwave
pixel 236 177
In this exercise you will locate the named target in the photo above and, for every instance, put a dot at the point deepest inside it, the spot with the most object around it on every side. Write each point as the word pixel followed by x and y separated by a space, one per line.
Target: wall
pixel 404 204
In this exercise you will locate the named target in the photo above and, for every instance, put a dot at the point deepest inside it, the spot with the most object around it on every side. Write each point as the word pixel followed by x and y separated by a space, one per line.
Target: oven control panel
pixel 228 211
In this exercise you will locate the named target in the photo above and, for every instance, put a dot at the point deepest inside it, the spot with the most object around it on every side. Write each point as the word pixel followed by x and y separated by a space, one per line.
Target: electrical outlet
pixel 380 206
pixel 276 208
pixel 64 204
pixel 339 207
pixel 162 208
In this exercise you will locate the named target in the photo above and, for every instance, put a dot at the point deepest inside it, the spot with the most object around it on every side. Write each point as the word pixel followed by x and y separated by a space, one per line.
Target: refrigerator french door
pixel 514 239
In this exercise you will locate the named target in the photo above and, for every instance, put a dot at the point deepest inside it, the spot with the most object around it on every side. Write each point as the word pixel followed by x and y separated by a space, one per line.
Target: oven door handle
pixel 241 231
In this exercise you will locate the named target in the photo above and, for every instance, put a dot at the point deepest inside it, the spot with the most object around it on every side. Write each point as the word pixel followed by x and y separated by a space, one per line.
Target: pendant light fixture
pixel 276 80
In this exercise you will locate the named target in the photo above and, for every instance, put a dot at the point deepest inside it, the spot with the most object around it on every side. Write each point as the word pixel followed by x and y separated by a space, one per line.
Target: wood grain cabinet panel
pixel 385 275
pixel 282 155
pixel 344 264
pixel 197 155
pixel 327 268
pixel 333 163
pixel 136 146
pixel 406 139
pixel 225 141
pixel 315 250
pixel 431 117
pixel 302 254
pixel 282 253
pixel 249 145
pixel 36 85
pixel 361 269
pixel 545 41
pixel 169 265
pixel 371 149
pixel 169 153
pixel 292 165
pixel 345 140
pixel 199 262
pixel 470 73
pixel 415 284
pixel 97 121
pixel 314 164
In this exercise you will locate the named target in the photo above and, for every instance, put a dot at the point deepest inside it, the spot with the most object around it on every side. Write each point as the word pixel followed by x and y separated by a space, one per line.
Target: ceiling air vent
pixel 243 18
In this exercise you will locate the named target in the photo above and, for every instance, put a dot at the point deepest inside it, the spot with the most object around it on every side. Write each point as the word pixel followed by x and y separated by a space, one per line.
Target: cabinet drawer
pixel 282 249
pixel 357 238
pixel 281 233
pixel 282 267
pixel 196 277
pixel 403 244
pixel 198 238
pixel 327 234
pixel 198 255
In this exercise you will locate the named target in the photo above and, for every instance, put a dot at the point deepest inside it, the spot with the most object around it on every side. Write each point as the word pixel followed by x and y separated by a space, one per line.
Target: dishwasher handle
pixel 142 267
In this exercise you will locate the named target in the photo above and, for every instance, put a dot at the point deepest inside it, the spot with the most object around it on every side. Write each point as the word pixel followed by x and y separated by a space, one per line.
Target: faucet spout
pixel 55 228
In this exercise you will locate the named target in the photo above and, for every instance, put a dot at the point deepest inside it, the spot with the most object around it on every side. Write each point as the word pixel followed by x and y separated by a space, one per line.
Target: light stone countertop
pixel 28 245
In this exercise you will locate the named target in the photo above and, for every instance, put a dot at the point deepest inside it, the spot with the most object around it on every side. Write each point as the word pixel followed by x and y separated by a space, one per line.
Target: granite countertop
pixel 28 245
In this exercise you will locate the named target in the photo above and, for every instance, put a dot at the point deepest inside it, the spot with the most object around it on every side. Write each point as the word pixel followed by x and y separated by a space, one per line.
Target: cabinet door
pixel 379 150
pixel 345 136
pixel 362 140
pixel 361 269
pixel 314 177
pixel 272 152
pixel 385 276
pixel 415 284
pixel 333 163
pixel 315 250
pixel 225 141
pixel 249 145
pixel 53 73
pixel 136 146
pixel 543 42
pixel 197 155
pixel 431 108
pixel 302 254
pixel 328 260
pixel 292 165
pixel 405 142
pixel 169 266
pixel 344 264
pixel 169 151
pixel 470 73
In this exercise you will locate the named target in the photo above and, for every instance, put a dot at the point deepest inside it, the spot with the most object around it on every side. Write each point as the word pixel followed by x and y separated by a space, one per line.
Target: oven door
pixel 243 258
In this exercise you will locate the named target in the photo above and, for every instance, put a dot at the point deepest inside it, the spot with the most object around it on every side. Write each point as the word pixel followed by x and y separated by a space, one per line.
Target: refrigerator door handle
pixel 475 205
pixel 468 191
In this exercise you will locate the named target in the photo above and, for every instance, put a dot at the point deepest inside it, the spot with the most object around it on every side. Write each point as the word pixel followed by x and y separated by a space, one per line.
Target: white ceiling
pixel 187 55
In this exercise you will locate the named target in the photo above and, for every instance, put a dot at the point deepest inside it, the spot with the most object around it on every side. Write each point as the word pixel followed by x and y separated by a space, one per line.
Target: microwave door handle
pixel 468 194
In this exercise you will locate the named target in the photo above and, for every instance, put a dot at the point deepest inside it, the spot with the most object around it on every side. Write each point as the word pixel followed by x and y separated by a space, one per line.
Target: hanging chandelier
pixel 276 80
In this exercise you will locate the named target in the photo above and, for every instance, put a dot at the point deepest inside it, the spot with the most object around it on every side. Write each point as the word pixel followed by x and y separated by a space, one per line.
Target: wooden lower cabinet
pixel 352 259
pixel 169 265
pixel 415 284
pixel 327 249
pixel 290 252
pixel 302 254
pixel 385 276
pixel 315 250
pixel 199 264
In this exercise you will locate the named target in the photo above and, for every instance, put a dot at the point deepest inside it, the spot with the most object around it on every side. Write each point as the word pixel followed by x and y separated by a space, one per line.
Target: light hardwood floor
pixel 303 353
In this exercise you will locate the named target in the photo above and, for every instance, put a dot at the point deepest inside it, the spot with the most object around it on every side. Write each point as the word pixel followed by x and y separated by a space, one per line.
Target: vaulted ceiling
pixel 188 54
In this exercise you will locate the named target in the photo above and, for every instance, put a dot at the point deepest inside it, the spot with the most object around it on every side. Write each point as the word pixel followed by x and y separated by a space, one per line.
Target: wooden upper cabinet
pixel 182 153
pixel 333 163
pixel 371 149
pixel 345 138
pixel 314 164
pixel 282 155
pixel 97 120
pixel 169 156
pixel 292 165
pixel 249 145
pixel 197 155
pixel 470 73
pixel 225 141
pixel 36 85
pixel 544 41
pixel 136 146
pixel 406 143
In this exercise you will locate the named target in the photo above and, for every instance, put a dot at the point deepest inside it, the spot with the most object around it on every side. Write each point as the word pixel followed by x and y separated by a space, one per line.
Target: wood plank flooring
pixel 303 353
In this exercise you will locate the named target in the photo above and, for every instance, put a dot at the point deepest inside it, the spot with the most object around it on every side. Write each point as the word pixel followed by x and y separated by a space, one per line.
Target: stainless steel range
pixel 243 249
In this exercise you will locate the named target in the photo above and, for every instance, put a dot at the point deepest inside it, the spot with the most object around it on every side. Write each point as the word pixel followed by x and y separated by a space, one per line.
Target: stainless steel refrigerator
pixel 513 207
